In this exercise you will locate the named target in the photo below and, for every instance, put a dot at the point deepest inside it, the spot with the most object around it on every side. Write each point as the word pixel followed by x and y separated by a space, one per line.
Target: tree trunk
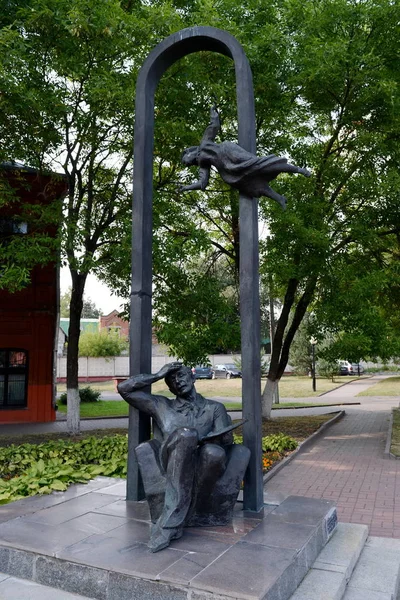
pixel 283 338
pixel 76 306
pixel 269 397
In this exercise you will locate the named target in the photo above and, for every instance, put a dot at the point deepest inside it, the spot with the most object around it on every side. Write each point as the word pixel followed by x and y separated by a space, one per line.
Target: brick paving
pixel 347 466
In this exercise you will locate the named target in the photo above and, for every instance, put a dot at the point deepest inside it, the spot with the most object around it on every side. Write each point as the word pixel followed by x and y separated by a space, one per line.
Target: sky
pixel 97 291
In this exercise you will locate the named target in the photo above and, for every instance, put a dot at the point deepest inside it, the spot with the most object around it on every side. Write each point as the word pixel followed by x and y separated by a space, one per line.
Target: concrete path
pixel 347 466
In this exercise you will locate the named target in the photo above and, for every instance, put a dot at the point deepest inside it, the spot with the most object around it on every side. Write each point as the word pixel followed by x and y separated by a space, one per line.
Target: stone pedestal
pixel 89 540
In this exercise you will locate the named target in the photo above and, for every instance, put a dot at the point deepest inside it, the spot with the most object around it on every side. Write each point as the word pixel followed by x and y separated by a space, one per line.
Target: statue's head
pixel 180 382
pixel 189 156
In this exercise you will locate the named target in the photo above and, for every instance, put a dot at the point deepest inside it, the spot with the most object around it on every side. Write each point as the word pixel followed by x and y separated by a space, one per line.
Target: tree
pixel 101 343
pixel 300 351
pixel 27 230
pixel 326 87
pixel 68 70
pixel 89 309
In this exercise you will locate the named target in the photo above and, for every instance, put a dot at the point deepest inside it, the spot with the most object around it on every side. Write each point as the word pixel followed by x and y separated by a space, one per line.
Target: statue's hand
pixel 182 188
pixel 169 368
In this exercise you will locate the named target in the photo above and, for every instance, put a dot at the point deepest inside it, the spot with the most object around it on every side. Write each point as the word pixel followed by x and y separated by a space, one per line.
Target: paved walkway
pixel 347 466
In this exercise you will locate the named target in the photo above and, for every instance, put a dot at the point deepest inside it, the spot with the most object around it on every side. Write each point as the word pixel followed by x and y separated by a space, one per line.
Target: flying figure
pixel 240 169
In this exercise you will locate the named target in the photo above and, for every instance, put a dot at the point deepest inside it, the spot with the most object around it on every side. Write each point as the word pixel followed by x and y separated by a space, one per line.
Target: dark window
pixel 12 226
pixel 13 378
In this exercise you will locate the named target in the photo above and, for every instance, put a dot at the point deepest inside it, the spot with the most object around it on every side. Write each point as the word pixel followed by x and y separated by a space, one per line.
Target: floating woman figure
pixel 242 170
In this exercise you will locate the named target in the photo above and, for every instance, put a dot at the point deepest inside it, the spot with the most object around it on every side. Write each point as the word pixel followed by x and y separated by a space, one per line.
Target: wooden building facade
pixel 29 317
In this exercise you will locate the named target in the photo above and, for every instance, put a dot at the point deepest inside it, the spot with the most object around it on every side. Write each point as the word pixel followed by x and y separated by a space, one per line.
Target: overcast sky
pixel 95 290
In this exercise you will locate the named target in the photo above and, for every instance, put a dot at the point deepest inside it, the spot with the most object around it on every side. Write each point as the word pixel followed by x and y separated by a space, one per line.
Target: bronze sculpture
pixel 191 469
pixel 242 170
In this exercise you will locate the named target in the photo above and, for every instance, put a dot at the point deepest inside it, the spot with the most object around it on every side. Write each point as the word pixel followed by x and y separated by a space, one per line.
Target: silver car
pixel 226 371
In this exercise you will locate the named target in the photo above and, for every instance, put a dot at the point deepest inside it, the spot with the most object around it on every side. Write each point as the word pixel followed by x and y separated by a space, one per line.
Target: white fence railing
pixel 118 366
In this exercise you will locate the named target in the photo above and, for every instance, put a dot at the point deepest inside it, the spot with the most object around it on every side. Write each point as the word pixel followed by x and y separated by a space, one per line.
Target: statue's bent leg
pixel 178 456
pixel 211 463
pixel 215 503
pixel 153 476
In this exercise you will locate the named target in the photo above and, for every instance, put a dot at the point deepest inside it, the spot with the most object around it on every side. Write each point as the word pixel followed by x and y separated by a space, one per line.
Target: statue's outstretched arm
pixel 213 127
pixel 132 389
pixel 201 184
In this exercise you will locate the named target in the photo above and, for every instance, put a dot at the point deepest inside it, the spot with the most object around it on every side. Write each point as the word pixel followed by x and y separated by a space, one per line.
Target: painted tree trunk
pixel 76 306
pixel 269 397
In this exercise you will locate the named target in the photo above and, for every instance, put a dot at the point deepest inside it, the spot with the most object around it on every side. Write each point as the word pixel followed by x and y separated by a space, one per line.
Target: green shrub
pixel 30 469
pixel 86 394
pixel 276 442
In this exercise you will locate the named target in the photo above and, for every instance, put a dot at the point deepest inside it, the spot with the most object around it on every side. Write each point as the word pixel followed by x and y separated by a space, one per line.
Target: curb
pixel 386 453
pixel 342 385
pixel 303 446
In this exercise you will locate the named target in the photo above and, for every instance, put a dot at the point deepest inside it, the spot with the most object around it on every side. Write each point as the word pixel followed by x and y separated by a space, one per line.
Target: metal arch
pixel 170 50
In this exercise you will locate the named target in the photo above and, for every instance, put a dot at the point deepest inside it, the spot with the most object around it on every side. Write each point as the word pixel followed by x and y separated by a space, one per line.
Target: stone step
pixel 331 571
pixel 14 588
pixel 376 576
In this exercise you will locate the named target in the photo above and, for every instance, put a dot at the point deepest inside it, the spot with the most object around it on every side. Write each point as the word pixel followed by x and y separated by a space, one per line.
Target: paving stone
pixel 120 555
pixel 122 587
pixel 126 509
pixel 302 510
pixel 39 537
pixel 72 577
pixel 260 569
pixel 343 550
pixel 320 585
pixel 118 489
pixel 273 532
pixel 352 594
pixel 378 567
pixel 70 509
pixel 97 523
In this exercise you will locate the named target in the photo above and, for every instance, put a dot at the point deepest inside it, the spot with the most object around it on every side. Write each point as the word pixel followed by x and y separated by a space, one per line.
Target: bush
pixel 86 394
pixel 30 469
pixel 276 442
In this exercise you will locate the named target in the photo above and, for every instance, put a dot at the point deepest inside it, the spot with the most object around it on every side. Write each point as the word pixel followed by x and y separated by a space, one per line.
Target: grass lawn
pixel 395 445
pixel 297 427
pixel 386 387
pixel 289 387
pixel 116 408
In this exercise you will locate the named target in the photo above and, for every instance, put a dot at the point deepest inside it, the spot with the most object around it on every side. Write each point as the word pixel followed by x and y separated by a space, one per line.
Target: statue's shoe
pixel 160 538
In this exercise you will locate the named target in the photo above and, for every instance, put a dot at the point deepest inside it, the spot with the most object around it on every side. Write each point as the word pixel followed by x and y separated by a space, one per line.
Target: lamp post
pixel 313 343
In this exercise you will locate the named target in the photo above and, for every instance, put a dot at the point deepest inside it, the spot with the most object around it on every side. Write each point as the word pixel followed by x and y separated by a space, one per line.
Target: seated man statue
pixel 191 469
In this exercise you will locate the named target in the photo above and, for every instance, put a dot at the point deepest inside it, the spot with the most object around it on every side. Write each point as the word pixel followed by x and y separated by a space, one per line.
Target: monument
pixel 191 469
pixel 170 50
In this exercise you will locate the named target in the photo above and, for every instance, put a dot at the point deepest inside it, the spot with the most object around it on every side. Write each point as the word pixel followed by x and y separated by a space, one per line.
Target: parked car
pixel 348 368
pixel 226 371
pixel 202 372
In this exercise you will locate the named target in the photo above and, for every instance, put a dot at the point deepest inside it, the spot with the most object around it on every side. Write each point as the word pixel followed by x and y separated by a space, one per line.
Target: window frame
pixel 6 371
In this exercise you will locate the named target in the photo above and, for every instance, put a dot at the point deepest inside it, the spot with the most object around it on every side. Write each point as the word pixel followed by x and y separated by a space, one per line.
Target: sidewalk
pixel 347 466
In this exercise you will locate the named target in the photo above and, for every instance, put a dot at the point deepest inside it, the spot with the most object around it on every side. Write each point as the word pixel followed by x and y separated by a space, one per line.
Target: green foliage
pixel 203 322
pixel 101 343
pixel 276 442
pixel 30 469
pixel 86 394
pixel 89 310
pixel 301 350
pixel 328 368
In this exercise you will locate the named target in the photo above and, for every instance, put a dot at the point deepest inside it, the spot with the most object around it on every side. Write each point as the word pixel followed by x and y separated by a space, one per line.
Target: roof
pixel 86 324
pixel 13 165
